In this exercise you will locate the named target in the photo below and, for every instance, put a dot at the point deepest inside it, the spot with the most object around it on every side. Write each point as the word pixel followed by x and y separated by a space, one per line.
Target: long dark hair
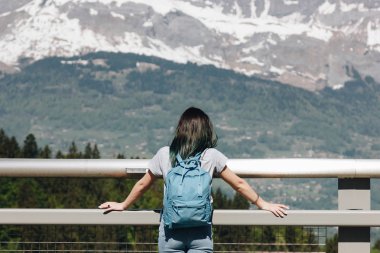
pixel 194 133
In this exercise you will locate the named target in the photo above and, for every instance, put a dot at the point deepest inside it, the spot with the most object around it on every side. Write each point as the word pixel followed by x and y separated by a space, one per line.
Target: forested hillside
pixel 128 104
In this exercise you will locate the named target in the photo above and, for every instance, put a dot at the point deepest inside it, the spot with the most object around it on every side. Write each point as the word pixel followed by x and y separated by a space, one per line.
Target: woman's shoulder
pixel 163 151
pixel 213 152
pixel 214 160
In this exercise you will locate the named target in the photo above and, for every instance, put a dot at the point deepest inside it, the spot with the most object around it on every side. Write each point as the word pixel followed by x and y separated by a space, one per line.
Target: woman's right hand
pixel 279 210
pixel 112 206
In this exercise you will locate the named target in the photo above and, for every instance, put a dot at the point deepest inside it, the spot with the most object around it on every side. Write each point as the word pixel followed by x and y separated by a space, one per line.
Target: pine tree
pixel 290 237
pixel 3 143
pixel 13 148
pixel 59 155
pixel 220 200
pixel 73 152
pixel 45 152
pixel 120 156
pixel 88 151
pixel 30 148
pixel 239 202
pixel 95 152
pixel 376 246
pixel 9 147
pixel 332 244
pixel 269 236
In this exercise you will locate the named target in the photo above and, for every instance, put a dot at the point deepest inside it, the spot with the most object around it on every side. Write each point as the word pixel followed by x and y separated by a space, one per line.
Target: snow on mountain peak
pixel 305 44
pixel 327 8
pixel 373 31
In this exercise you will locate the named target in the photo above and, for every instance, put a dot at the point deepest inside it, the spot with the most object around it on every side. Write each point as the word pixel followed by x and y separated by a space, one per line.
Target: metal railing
pixel 332 218
pixel 252 168
pixel 354 217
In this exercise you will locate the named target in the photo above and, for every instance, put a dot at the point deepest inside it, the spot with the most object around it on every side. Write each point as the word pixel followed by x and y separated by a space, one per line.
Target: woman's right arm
pixel 242 187
pixel 138 189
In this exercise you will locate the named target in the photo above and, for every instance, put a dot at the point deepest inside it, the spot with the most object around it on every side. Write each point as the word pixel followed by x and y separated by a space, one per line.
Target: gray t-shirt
pixel 212 161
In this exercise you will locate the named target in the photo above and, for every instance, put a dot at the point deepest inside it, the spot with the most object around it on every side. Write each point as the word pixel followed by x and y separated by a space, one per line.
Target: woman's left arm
pixel 242 187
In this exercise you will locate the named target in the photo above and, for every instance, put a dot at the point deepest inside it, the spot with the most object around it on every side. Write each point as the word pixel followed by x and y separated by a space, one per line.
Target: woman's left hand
pixel 112 206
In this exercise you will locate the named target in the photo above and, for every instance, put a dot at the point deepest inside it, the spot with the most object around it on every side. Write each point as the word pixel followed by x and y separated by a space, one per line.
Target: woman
pixel 194 134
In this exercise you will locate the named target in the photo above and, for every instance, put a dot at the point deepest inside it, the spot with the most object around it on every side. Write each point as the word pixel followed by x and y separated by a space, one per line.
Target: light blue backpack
pixel 187 199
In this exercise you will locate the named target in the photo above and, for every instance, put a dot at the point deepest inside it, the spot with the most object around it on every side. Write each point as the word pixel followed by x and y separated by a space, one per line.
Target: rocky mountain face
pixel 310 44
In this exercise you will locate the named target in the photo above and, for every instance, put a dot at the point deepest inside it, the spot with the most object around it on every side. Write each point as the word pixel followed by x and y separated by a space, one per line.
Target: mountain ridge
pixel 307 45
pixel 131 100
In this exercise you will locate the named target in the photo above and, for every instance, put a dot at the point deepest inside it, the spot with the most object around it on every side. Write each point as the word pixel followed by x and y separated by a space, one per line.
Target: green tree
pixel 332 244
pixel 13 148
pixel 45 152
pixel 91 153
pixel 377 244
pixel 120 156
pixel 59 155
pixel 220 200
pixel 376 247
pixel 3 143
pixel 9 147
pixel 87 151
pixel 239 202
pixel 74 153
pixel 30 148
pixel 269 237
pixel 95 152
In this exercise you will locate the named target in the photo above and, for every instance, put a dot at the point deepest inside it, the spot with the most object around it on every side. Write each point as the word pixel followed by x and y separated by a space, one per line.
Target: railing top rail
pixel 132 168
pixel 220 217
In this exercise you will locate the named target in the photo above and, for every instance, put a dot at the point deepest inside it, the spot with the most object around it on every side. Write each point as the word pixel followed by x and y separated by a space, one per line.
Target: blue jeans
pixel 191 240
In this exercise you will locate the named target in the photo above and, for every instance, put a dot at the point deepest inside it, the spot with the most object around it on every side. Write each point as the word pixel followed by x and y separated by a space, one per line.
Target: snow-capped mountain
pixel 309 44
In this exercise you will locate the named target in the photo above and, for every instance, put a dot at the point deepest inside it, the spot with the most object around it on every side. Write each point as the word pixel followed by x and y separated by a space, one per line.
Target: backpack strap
pixel 189 164
pixel 197 157
pixel 179 160
pixel 182 164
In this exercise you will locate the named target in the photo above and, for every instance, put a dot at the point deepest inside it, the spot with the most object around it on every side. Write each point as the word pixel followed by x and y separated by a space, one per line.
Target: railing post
pixel 354 194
